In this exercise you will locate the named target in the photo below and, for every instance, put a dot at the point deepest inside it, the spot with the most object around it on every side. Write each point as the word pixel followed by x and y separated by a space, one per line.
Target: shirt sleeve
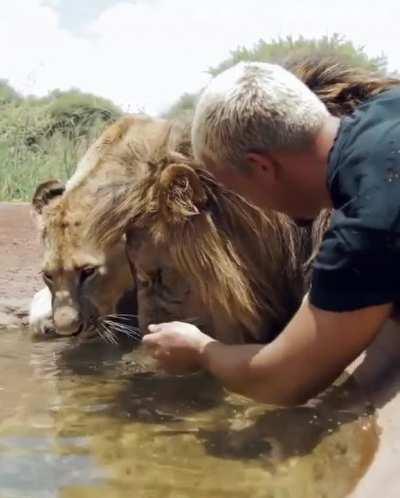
pixel 354 269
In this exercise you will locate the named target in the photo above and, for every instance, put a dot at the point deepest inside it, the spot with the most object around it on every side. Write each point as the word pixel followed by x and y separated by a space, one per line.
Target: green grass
pixel 23 167
pixel 44 138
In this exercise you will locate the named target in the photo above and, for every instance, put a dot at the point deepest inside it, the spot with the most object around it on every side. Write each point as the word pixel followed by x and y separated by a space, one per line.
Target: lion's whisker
pixel 120 315
pixel 104 333
pixel 101 333
pixel 132 334
pixel 107 334
pixel 115 327
pixel 118 325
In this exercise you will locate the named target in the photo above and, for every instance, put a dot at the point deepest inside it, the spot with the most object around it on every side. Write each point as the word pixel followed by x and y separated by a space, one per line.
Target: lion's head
pixel 85 282
pixel 201 252
pixel 163 292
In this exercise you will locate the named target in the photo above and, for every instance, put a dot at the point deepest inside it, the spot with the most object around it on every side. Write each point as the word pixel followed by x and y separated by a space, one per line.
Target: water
pixel 85 421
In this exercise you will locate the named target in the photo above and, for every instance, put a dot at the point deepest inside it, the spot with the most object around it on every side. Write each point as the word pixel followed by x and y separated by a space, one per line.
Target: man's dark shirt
pixel 359 261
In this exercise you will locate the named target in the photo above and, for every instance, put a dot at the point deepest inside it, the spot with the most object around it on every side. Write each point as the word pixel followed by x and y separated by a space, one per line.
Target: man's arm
pixel 307 356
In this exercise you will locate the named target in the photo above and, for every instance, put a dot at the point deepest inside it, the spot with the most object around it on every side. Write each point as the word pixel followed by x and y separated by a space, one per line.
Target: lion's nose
pixel 67 321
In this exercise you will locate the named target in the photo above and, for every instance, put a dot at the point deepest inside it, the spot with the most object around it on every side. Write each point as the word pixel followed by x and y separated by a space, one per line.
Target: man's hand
pixel 177 346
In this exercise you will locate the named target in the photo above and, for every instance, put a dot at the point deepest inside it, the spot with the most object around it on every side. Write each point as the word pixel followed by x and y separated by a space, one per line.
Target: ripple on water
pixel 92 420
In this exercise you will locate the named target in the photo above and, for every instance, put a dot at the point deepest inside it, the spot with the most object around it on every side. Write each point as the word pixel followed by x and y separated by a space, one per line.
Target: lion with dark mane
pixel 200 252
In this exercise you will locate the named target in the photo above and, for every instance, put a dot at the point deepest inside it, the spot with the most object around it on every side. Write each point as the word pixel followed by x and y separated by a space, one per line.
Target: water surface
pixel 94 420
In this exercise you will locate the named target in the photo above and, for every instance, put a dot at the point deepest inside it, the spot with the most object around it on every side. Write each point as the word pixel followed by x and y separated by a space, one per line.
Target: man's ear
pixel 182 194
pixel 261 162
pixel 44 194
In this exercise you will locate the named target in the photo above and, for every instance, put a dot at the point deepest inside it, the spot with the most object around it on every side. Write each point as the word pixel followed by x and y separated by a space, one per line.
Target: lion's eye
pixel 87 272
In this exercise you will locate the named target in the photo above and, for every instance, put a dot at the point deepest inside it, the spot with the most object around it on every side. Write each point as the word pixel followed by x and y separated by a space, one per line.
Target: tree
pixel 74 110
pixel 280 50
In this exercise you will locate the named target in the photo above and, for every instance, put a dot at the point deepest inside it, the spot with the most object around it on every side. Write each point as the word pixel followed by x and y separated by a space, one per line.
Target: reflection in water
pixel 94 420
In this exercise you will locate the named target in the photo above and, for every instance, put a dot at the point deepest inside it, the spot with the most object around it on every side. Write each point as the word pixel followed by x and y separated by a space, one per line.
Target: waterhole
pixel 92 420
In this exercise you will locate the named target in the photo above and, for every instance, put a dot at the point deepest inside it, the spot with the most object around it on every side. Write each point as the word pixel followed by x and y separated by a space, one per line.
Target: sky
pixel 143 54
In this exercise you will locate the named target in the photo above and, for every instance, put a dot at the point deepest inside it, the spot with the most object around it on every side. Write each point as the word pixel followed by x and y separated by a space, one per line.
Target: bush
pixel 73 110
pixel 43 138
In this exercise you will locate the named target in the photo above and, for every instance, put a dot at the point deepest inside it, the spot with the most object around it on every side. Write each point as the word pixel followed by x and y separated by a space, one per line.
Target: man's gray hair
pixel 254 107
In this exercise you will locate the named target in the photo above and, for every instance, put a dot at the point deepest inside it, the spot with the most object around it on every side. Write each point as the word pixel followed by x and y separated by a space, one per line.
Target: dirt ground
pixel 19 263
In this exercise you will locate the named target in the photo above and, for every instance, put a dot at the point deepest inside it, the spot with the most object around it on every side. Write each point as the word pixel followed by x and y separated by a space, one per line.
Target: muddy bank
pixel 19 263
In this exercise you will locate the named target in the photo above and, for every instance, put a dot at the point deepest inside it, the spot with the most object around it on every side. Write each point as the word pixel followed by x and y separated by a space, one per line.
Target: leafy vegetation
pixel 42 138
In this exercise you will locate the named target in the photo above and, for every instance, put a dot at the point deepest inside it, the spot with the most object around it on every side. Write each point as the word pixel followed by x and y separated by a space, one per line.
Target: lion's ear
pixel 45 193
pixel 181 193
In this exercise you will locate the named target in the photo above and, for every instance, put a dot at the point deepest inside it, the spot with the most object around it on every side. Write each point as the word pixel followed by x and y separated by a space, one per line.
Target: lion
pixel 83 281
pixel 201 253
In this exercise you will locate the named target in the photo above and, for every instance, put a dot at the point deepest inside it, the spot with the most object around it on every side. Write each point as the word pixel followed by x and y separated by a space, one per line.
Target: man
pixel 263 133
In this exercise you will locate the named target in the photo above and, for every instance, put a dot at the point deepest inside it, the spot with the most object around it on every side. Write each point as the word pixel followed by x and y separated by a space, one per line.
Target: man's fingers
pixel 151 339
pixel 166 327
pixel 154 328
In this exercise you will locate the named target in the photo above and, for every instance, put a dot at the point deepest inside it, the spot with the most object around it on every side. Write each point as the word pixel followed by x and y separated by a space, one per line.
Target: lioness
pixel 84 281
